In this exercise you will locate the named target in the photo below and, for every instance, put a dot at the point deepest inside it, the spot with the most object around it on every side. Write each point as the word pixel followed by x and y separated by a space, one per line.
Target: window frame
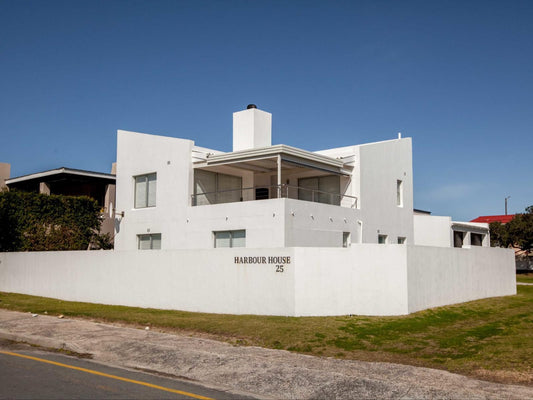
pixel 216 196
pixel 231 238
pixel 399 192
pixel 322 196
pixel 146 194
pixel 346 239
pixel 151 236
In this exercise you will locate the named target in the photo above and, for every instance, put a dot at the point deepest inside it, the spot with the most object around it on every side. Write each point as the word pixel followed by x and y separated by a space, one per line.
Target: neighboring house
pixel 503 219
pixel 73 182
pixel 4 174
pixel 176 195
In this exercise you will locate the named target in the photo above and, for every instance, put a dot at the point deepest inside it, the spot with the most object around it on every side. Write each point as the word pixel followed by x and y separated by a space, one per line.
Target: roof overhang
pixel 472 227
pixel 265 159
pixel 61 171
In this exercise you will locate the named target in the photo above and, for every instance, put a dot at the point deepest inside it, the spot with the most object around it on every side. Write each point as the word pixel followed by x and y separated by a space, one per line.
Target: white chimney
pixel 252 128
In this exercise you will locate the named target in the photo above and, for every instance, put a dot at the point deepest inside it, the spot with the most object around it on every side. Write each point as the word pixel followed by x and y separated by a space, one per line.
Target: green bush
pixel 39 222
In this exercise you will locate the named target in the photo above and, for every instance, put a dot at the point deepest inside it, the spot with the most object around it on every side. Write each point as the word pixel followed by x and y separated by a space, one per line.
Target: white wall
pixel 377 167
pixel 367 279
pixel 189 280
pixel 382 164
pixel 432 230
pixel 438 276
pixel 170 158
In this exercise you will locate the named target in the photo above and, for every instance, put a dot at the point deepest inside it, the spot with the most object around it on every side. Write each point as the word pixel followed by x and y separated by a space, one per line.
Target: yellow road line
pixel 90 371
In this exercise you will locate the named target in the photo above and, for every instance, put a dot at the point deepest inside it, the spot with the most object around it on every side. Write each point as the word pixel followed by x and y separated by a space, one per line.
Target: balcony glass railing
pixel 273 192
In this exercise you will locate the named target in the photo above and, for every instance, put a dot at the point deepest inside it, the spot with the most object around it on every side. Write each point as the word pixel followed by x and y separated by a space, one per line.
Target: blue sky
pixel 456 76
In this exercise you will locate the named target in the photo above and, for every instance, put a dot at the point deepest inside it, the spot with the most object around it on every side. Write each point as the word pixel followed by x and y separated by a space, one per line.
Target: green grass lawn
pixel 490 339
pixel 525 278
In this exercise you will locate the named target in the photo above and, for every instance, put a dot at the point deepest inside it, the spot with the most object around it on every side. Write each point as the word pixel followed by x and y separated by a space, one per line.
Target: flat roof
pixel 261 159
pixel 62 170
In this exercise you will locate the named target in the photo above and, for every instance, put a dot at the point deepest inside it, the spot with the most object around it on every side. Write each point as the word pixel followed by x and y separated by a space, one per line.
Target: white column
pixel 279 176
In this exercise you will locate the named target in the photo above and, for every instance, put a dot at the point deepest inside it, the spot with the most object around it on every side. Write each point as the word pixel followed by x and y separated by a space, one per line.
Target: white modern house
pixel 175 195
pixel 270 229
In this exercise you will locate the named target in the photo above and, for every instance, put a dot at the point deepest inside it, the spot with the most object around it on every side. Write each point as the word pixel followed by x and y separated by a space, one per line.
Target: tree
pixel 499 237
pixel 521 229
pixel 517 233
pixel 39 222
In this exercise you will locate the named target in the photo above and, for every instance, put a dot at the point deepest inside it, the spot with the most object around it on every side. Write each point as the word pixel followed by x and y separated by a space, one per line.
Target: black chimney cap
pixel 251 106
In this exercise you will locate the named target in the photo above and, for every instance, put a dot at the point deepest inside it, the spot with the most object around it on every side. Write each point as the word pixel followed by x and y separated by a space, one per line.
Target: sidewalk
pixel 263 372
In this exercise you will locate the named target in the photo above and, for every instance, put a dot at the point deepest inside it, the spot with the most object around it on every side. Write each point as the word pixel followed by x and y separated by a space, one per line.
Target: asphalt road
pixel 31 373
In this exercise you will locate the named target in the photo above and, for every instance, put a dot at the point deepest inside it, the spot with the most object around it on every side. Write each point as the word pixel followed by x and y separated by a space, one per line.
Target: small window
pixel 476 239
pixel 149 241
pixel 230 238
pixel 458 238
pixel 346 239
pixel 145 190
pixel 401 240
pixel 382 239
pixel 399 193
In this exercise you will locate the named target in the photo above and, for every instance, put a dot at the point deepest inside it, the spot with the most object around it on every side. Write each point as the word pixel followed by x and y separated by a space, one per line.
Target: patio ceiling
pixel 266 160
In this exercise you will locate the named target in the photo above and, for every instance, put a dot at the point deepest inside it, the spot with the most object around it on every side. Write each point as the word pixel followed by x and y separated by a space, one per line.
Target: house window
pixel 382 239
pixel 458 238
pixel 150 241
pixel 214 188
pixel 346 239
pixel 476 239
pixel 145 190
pixel 321 189
pixel 399 193
pixel 401 240
pixel 230 238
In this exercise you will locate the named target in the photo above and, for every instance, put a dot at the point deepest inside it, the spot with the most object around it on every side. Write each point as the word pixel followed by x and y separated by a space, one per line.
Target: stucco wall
pixel 190 280
pixel 367 279
pixel 438 276
pixel 382 164
pixel 432 230
pixel 170 158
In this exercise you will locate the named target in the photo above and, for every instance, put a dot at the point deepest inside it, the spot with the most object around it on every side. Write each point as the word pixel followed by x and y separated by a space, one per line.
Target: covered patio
pixel 272 172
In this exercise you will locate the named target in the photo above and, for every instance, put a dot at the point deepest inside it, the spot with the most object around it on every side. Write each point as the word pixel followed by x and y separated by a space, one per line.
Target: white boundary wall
pixel 438 276
pixel 367 279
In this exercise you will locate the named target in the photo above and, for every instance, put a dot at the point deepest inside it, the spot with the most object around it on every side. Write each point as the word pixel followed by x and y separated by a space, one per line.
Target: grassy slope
pixel 490 338
pixel 525 278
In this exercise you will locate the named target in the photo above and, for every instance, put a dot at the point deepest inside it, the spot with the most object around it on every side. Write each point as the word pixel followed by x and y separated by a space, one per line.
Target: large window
pixel 145 190
pixel 230 238
pixel 321 189
pixel 214 188
pixel 151 241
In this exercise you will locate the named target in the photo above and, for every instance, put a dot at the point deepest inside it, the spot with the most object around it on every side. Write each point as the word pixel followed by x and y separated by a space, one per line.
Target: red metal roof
pixel 494 218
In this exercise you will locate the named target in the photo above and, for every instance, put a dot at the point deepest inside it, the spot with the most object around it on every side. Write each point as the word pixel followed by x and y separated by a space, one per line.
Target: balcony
pixel 258 193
